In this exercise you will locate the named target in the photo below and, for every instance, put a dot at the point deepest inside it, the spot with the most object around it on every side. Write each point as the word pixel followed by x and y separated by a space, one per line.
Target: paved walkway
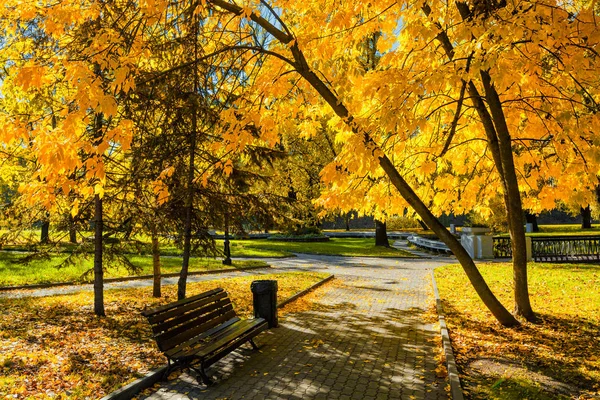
pixel 366 339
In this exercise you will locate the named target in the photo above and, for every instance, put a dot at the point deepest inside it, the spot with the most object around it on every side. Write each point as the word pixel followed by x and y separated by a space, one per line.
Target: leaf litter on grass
pixel 552 358
pixel 55 347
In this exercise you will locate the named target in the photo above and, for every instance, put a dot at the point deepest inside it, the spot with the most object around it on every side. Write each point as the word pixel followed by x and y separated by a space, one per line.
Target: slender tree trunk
pixel 347 221
pixel 423 225
pixel 45 235
pixel 98 267
pixel 226 248
pixel 155 263
pixel 381 238
pixel 482 289
pixel 189 206
pixel 72 230
pixel 512 199
pixel 586 217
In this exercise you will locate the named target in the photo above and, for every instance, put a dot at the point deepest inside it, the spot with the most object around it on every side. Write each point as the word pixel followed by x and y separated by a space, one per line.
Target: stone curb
pixel 131 389
pixel 455 388
pixel 128 278
pixel 304 292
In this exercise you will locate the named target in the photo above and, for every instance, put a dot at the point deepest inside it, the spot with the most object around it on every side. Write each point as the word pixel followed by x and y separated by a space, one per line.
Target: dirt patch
pixel 506 369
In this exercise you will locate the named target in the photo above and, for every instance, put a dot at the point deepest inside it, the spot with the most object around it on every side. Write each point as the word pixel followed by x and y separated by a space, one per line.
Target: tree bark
pixel 347 221
pixel 72 230
pixel 98 267
pixel 45 235
pixel 226 248
pixel 512 199
pixel 155 263
pixel 189 206
pixel 586 217
pixel 381 238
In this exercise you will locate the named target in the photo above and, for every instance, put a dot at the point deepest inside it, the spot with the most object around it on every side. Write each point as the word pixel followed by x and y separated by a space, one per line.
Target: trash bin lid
pixel 262 286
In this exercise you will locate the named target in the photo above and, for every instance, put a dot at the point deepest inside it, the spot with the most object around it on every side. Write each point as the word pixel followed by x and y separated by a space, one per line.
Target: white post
pixel 485 246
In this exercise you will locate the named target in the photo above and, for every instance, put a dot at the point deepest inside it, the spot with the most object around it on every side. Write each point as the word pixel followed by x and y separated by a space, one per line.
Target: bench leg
pixel 202 376
pixel 254 346
pixel 165 376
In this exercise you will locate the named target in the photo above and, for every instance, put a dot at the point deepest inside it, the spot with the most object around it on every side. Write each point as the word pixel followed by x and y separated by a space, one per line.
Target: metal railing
pixel 429 244
pixel 566 249
pixel 555 248
pixel 502 247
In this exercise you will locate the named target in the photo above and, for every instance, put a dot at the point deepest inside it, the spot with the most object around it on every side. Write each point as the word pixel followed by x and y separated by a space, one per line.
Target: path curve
pixel 367 338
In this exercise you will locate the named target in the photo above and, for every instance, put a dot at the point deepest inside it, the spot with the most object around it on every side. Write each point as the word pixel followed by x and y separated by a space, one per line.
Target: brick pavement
pixel 365 339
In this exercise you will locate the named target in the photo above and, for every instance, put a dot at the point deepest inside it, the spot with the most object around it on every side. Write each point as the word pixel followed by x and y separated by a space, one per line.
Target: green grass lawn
pixel 336 246
pixel 558 357
pixel 14 273
pixel 55 347
pixel 563 230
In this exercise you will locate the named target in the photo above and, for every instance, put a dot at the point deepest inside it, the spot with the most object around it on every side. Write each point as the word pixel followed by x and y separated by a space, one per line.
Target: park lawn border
pixel 129 278
pixel 413 257
pixel 456 392
pixel 131 389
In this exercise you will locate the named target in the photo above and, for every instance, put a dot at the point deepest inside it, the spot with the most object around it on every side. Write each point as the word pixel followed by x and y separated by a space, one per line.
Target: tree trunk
pixel 45 236
pixel 226 248
pixel 155 263
pixel 381 238
pixel 532 219
pixel 512 196
pixel 98 267
pixel 586 217
pixel 189 206
pixel 423 225
pixel 72 230
pixel 482 289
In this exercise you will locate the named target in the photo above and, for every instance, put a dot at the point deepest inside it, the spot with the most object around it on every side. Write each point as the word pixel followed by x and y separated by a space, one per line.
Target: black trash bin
pixel 265 301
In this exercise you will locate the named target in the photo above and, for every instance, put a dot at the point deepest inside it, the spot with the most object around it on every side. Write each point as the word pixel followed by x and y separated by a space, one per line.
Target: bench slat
pixel 216 356
pixel 192 345
pixel 217 317
pixel 148 313
pixel 163 316
pixel 173 323
pixel 233 335
pixel 230 334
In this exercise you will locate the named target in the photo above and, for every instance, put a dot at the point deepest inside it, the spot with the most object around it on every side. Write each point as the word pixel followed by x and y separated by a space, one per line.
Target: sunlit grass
pixel 336 246
pixel 563 230
pixel 563 346
pixel 14 273
pixel 56 346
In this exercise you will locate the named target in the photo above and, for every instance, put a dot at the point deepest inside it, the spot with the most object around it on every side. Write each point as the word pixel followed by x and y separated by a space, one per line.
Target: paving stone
pixel 372 341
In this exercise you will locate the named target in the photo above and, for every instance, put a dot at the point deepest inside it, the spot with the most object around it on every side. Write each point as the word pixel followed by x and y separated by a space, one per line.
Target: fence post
pixel 529 248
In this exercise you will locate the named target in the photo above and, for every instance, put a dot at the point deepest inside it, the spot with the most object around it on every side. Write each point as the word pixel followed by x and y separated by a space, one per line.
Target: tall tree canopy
pixel 467 98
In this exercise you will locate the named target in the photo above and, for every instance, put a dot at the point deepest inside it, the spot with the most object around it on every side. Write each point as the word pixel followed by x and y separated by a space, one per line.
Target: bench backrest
pixel 178 322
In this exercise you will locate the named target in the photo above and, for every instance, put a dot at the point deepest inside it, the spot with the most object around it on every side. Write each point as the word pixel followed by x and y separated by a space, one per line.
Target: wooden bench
pixel 201 330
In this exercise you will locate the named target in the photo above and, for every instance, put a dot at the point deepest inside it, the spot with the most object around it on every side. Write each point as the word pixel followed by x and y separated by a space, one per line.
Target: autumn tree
pixel 440 113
